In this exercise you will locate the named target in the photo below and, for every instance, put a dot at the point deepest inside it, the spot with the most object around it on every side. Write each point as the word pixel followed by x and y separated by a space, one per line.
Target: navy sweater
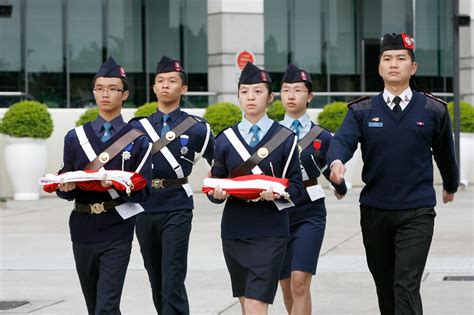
pixel 397 151
pixel 309 157
pixel 175 198
pixel 242 219
pixel 92 228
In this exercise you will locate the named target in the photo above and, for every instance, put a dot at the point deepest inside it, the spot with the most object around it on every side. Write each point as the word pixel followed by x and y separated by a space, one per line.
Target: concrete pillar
pixel 233 26
pixel 466 51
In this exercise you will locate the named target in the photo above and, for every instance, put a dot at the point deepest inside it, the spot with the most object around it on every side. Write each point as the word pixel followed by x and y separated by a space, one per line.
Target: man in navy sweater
pixel 399 130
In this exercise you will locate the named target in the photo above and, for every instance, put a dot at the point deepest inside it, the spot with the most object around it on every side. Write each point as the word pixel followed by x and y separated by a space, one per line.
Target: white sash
pixel 167 154
pixel 245 155
pixel 127 209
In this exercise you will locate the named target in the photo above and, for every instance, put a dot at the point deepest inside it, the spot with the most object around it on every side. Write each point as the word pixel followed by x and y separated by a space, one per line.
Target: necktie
pixel 166 127
pixel 255 138
pixel 397 108
pixel 107 127
pixel 295 126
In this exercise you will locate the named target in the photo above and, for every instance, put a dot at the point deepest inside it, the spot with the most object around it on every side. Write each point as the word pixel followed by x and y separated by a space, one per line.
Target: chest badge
pixel 170 135
pixel 184 140
pixel 420 123
pixel 375 124
pixel 262 153
pixel 104 157
pixel 375 119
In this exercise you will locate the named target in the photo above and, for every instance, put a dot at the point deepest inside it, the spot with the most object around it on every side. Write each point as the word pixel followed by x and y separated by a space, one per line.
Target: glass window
pixel 125 45
pixel 276 35
pixel 44 52
pixel 11 77
pixel 84 49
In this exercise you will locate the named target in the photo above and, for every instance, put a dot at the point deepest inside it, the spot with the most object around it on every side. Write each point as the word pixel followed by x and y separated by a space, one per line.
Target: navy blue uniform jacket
pixel 242 219
pixel 108 226
pixel 397 151
pixel 313 161
pixel 175 198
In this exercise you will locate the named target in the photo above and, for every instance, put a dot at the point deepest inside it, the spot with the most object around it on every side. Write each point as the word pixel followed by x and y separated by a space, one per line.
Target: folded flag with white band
pixel 247 187
pixel 91 180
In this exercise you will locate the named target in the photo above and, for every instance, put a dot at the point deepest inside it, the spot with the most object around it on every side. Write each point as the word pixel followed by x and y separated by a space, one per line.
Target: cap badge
pixel 263 76
pixel 303 76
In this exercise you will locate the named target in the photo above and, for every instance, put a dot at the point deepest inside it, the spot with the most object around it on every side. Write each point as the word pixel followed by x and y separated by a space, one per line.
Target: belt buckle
pixel 97 208
pixel 158 183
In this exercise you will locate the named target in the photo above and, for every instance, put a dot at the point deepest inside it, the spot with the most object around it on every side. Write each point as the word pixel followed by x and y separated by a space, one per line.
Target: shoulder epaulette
pixel 363 98
pixel 198 118
pixel 136 118
pixel 435 98
pixel 222 131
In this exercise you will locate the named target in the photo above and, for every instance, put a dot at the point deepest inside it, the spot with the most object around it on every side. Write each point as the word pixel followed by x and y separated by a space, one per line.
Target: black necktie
pixel 397 108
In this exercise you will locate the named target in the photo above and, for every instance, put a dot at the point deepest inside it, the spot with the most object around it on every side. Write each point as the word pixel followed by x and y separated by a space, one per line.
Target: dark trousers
pixel 101 268
pixel 164 239
pixel 397 244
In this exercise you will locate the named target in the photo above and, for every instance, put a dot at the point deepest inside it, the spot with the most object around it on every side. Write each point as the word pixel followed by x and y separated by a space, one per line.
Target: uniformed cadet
pixel 308 219
pixel 400 130
pixel 102 223
pixel 254 234
pixel 163 229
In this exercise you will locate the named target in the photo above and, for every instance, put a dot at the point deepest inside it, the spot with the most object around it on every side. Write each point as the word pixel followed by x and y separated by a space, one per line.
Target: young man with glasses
pixel 102 222
pixel 400 131
pixel 308 217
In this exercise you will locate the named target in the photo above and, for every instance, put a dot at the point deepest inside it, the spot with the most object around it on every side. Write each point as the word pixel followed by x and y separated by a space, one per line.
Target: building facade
pixel 50 49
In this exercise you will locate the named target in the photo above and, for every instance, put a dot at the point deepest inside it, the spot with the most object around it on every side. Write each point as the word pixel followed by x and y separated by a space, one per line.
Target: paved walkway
pixel 36 262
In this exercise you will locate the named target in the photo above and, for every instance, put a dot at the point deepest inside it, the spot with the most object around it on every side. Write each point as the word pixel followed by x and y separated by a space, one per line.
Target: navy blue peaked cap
pixel 396 42
pixel 253 75
pixel 110 69
pixel 293 74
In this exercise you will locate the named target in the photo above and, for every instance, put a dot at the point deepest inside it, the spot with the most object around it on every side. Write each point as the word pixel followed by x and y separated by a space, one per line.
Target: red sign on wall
pixel 242 58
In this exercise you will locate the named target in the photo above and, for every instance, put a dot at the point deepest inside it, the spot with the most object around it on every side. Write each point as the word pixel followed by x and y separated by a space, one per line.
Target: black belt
pixel 310 182
pixel 99 207
pixel 164 183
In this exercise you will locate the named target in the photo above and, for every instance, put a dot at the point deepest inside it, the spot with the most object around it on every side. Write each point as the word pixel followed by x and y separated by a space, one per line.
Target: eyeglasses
pixel 109 91
pixel 295 91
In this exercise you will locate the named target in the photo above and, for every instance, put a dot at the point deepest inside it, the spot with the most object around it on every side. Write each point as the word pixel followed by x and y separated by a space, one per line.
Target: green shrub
pixel 332 115
pixel 89 115
pixel 222 115
pixel 276 111
pixel 467 116
pixel 146 109
pixel 27 119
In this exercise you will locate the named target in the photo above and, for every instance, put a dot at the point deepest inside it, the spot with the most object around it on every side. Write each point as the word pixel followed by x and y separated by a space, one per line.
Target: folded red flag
pixel 247 187
pixel 91 180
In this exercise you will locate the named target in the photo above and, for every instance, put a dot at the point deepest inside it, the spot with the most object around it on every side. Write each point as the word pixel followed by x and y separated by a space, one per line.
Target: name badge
pixel 375 124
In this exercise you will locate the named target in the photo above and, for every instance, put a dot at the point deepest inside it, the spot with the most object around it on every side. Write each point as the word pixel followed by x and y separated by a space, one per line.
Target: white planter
pixel 466 145
pixel 25 159
pixel 353 169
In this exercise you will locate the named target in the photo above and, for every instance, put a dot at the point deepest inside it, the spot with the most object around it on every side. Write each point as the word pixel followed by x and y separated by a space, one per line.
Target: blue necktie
pixel 255 138
pixel 295 126
pixel 166 127
pixel 107 127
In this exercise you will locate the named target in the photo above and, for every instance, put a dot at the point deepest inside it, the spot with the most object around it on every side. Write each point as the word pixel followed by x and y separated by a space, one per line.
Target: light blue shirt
pixel 244 128
pixel 304 121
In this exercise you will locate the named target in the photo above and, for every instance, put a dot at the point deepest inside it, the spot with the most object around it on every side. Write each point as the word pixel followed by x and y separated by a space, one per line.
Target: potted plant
pixel 27 125
pixel 146 109
pixel 331 118
pixel 276 111
pixel 466 142
pixel 89 115
pixel 222 115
